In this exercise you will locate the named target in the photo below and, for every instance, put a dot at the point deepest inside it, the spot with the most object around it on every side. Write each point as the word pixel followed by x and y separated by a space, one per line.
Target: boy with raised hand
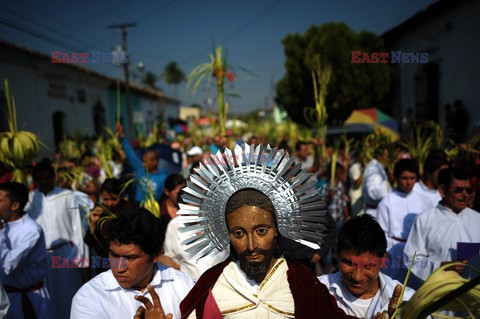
pixel 359 287
pixel 136 241
pixel 23 257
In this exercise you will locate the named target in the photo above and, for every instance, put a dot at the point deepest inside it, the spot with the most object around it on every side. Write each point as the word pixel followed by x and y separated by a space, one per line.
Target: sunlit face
pixel 360 279
pixel 173 194
pixel 111 201
pixel 45 181
pixel 131 266
pixel 406 180
pixel 303 152
pixel 150 161
pixel 6 206
pixel 91 189
pixel 457 196
pixel 252 234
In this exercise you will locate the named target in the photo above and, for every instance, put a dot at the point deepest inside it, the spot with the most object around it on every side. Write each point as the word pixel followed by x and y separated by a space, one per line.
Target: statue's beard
pixel 256 270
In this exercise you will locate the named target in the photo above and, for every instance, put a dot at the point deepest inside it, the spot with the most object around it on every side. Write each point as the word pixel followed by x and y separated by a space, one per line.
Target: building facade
pixel 448 31
pixel 54 100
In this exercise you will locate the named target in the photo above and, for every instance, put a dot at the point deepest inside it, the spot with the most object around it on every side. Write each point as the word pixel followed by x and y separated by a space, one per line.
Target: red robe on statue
pixel 311 298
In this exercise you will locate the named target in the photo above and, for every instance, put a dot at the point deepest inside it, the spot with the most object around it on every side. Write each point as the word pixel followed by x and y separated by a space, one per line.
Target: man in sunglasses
pixel 436 231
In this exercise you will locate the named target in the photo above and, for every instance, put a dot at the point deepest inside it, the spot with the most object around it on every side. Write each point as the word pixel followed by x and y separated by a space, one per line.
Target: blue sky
pixel 185 31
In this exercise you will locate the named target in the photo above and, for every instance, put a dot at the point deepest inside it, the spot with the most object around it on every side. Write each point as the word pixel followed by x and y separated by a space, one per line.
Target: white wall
pixel 29 79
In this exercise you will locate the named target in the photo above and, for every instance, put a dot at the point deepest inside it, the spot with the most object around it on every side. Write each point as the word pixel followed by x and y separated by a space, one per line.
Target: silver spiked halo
pixel 299 207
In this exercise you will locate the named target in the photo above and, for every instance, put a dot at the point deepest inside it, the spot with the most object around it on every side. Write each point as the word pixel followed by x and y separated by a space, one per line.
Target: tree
pixel 352 86
pixel 149 80
pixel 173 75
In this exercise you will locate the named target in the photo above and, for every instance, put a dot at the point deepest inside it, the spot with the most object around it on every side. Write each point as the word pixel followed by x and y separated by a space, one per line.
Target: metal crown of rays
pixel 299 207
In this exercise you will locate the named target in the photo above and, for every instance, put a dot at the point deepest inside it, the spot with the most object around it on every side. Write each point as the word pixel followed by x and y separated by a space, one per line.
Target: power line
pixel 164 6
pixel 55 31
pixel 39 35
pixel 257 17
pixel 62 23
pixel 99 13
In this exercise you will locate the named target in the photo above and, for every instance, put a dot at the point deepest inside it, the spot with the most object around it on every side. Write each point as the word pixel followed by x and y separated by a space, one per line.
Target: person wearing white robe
pixel 23 259
pixel 57 211
pixel 396 213
pixel 427 186
pixel 375 185
pixel 436 231
pixel 432 195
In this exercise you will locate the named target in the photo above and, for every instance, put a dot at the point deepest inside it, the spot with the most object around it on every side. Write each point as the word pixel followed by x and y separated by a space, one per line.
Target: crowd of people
pixel 89 248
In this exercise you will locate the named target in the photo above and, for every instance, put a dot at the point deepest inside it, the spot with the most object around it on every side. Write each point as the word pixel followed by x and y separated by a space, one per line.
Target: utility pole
pixel 123 29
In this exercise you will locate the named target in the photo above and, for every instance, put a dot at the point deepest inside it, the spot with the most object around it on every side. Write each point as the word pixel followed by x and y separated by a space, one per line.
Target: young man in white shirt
pixel 136 240
pixel 23 258
pixel 427 186
pixel 396 213
pixel 359 287
pixel 57 211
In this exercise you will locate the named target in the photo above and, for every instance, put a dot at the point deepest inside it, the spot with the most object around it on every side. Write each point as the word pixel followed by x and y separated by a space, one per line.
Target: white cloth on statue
pixel 396 214
pixel 4 302
pixel 350 304
pixel 103 298
pixel 435 234
pixel 23 262
pixel 432 194
pixel 174 250
pixel 375 185
pixel 237 298
pixel 59 216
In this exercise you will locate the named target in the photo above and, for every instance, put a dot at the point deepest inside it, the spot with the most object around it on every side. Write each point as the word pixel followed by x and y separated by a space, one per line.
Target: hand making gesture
pixel 150 311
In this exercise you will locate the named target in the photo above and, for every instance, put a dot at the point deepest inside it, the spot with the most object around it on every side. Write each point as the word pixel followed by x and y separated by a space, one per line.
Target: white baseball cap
pixel 196 150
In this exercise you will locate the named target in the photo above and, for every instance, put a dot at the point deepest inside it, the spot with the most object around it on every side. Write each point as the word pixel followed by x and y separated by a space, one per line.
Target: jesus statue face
pixel 252 233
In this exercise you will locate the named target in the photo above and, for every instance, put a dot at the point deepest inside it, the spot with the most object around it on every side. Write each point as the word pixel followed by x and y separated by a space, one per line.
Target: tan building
pixel 189 113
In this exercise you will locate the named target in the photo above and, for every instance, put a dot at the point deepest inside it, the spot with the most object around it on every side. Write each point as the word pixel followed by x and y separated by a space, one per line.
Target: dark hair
pixel 138 227
pixel 249 197
pixel 299 145
pixel 42 167
pixel 338 168
pixel 171 182
pixel 152 150
pixel 362 234
pixel 112 186
pixel 252 197
pixel 16 192
pixel 446 176
pixel 435 160
pixel 405 164
pixel 195 164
